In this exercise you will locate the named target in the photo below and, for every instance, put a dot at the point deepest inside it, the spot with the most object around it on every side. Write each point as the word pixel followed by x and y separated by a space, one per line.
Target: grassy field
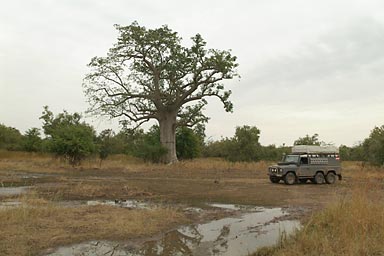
pixel 38 224
pixel 344 219
pixel 353 225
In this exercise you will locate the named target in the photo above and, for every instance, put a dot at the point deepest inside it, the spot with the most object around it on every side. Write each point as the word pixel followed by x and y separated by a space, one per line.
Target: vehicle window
pixel 291 158
pixel 304 160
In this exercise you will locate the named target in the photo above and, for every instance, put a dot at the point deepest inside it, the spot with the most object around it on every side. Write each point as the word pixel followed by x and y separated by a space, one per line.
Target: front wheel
pixel 274 179
pixel 290 178
pixel 330 178
pixel 319 178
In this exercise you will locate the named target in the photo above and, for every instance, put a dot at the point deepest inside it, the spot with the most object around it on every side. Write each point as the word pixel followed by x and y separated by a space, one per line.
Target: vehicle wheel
pixel 330 178
pixel 319 178
pixel 274 179
pixel 290 178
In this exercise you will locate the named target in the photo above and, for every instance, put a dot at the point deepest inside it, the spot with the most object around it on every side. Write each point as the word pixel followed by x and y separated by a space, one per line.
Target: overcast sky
pixel 306 66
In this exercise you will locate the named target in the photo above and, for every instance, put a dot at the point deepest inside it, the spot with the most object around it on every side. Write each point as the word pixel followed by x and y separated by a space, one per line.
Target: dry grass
pixel 35 162
pixel 353 225
pixel 38 224
pixel 360 171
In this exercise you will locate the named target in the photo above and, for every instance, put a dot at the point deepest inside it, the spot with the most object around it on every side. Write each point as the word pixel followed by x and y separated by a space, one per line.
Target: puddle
pixel 11 191
pixel 134 204
pixel 235 236
pixel 228 236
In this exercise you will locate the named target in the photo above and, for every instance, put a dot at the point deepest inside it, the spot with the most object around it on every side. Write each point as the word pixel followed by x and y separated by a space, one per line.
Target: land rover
pixel 319 164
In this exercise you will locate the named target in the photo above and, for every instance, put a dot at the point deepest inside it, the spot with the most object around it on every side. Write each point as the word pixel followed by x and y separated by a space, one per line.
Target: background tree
pixel 67 136
pixel 148 74
pixel 10 138
pixel 188 143
pixel 308 140
pixel 354 153
pixel 105 142
pixel 148 146
pixel 245 144
pixel 374 146
pixel 32 141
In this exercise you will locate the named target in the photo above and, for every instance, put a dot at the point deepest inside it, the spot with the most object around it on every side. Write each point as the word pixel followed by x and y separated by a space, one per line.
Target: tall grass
pixel 353 225
pixel 36 162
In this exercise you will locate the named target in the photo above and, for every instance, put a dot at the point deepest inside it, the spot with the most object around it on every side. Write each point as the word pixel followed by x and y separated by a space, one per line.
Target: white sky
pixel 306 66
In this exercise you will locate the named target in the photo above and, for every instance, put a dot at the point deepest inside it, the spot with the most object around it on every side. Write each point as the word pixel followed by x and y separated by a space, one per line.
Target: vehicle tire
pixel 319 178
pixel 274 179
pixel 330 178
pixel 290 178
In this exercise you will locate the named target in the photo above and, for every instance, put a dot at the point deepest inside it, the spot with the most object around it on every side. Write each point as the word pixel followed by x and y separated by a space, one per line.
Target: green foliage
pixel 308 140
pixel 10 138
pixel 374 146
pixel 67 136
pixel 355 153
pixel 32 141
pixel 245 145
pixel 148 146
pixel 273 153
pixel 105 142
pixel 220 148
pixel 188 143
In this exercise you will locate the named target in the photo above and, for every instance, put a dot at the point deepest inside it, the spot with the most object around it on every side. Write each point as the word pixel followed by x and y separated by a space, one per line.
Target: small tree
pixel 10 138
pixel 148 75
pixel 68 136
pixel 188 144
pixel 148 146
pixel 105 143
pixel 374 146
pixel 32 141
pixel 245 144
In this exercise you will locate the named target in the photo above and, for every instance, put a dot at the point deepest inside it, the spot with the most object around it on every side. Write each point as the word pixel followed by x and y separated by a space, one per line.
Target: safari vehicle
pixel 318 164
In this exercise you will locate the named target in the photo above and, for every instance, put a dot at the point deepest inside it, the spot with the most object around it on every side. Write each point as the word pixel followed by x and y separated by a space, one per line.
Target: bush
pixel 32 141
pixel 10 138
pixel 148 146
pixel 374 146
pixel 187 143
pixel 67 136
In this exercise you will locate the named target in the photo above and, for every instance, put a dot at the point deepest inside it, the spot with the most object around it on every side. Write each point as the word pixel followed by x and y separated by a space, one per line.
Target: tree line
pixel 68 136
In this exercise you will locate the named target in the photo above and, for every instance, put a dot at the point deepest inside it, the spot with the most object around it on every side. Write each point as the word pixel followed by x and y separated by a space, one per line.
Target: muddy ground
pixel 174 186
pixel 185 188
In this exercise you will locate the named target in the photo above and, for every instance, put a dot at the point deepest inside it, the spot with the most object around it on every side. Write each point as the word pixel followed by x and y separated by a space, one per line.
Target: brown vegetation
pixel 38 224
pixel 353 225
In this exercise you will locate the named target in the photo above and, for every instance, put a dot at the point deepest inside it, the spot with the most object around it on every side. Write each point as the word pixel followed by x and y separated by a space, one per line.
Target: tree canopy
pixel 308 140
pixel 149 74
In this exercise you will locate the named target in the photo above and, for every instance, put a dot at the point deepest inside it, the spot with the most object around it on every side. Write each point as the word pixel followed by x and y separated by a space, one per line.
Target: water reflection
pixel 235 236
pixel 228 236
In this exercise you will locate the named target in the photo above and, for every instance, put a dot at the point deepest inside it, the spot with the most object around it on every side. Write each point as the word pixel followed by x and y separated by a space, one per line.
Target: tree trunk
pixel 168 136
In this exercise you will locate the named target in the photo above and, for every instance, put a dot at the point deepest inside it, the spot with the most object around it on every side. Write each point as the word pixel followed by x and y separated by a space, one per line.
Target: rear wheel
pixel 274 179
pixel 330 178
pixel 290 178
pixel 319 178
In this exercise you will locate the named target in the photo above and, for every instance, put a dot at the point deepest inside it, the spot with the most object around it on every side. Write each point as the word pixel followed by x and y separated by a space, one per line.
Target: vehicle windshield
pixel 291 158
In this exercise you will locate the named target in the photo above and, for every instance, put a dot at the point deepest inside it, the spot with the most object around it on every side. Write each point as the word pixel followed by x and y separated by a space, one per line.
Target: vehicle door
pixel 305 168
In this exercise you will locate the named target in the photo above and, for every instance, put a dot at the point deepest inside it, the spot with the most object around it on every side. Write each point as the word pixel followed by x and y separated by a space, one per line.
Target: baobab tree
pixel 148 75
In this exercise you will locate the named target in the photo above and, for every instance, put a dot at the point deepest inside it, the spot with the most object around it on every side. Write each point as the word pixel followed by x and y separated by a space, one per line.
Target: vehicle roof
pixel 311 149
